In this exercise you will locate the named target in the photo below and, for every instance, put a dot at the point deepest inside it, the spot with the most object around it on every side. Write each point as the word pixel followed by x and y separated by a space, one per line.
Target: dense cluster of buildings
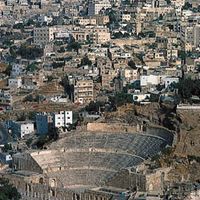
pixel 150 42
pixel 60 59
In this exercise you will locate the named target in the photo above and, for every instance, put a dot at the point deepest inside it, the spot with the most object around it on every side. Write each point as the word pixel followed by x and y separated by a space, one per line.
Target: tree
pixel 198 8
pixel 32 67
pixel 31 22
pixel 187 88
pixel 41 141
pixel 13 51
pixel 69 88
pixel 8 42
pixel 94 106
pixel 7 147
pixel 168 2
pixel 32 115
pixel 112 17
pixel 21 117
pixel 54 134
pixel 140 57
pixel 8 191
pixel 141 35
pixel 29 98
pixel 18 26
pixel 198 67
pixel 8 70
pixel 182 54
pixel 29 141
pixel 131 64
pixel 187 6
pixel 30 52
pixel 50 78
pixel 121 98
pixel 126 35
pixel 86 61
pixel 161 17
pixel 160 87
pixel 74 46
pixel 118 35
pixel 58 64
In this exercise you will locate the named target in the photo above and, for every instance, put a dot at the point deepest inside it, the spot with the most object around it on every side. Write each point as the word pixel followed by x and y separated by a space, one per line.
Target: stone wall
pixel 31 188
pixel 36 187
pixel 127 179
pixel 122 42
pixel 111 127
pixel 25 162
pixel 155 180
pixel 159 131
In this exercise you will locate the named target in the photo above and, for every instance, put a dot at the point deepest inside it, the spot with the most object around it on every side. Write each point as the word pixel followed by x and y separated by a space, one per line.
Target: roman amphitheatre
pixel 93 158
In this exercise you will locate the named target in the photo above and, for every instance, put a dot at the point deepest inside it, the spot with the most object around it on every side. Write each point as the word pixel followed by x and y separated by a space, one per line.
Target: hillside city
pixel 100 99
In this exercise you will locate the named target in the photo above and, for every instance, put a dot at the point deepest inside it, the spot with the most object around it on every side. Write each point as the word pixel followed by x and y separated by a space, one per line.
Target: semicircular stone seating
pixel 92 158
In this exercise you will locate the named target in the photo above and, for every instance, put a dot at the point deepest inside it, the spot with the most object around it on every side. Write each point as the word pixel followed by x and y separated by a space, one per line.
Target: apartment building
pixel 130 75
pixel 93 20
pixel 125 17
pixel 85 21
pixel 44 122
pixel 14 83
pixel 43 35
pixel 96 34
pixel 197 35
pixel 62 119
pixel 107 79
pixel 6 99
pixel 21 128
pixel 95 6
pixel 83 91
pixel 178 3
pixel 17 69
pixel 190 35
pixel 102 19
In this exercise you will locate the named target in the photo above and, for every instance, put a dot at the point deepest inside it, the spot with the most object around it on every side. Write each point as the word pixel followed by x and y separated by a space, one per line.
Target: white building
pixel 15 82
pixel 17 70
pixel 148 80
pixel 23 2
pixel 125 17
pixel 62 34
pixel 169 80
pixel 140 97
pixel 21 128
pixel 95 6
pixel 5 158
pixel 45 19
pixel 59 99
pixel 178 3
pixel 10 2
pixel 172 54
pixel 62 119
